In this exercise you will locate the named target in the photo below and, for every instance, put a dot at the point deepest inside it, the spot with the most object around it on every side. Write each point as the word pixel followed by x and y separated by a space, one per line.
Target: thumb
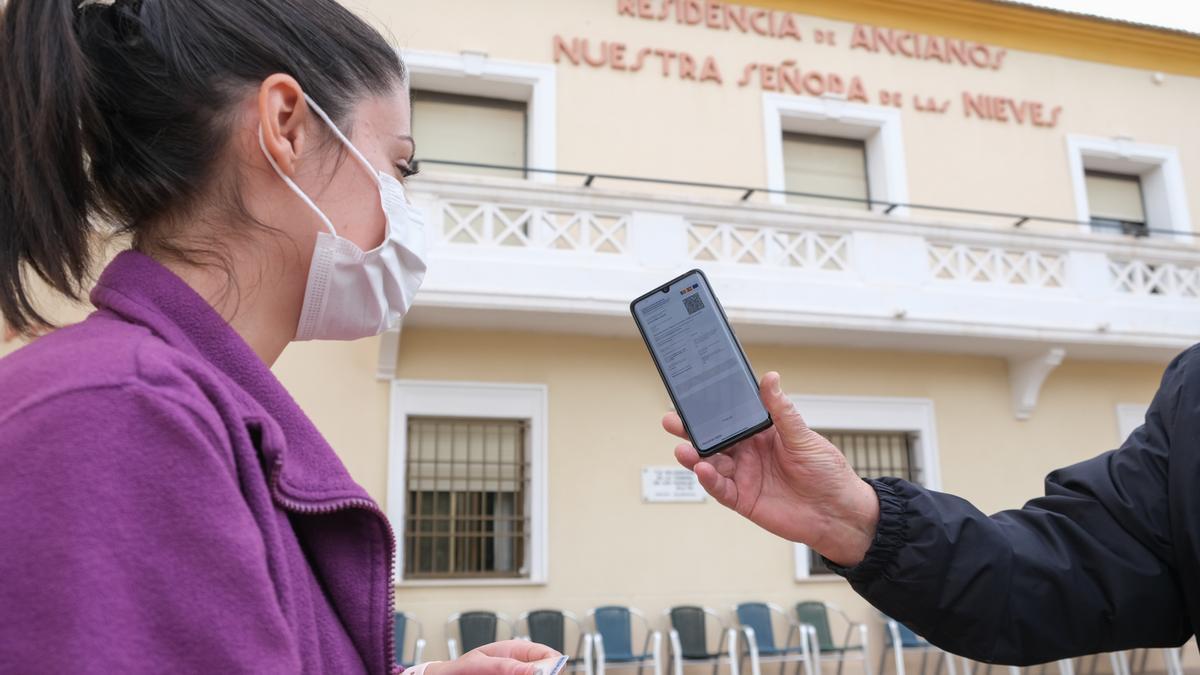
pixel 788 423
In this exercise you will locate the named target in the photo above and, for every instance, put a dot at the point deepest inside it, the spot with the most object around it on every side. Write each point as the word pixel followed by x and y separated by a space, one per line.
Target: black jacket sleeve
pixel 1088 568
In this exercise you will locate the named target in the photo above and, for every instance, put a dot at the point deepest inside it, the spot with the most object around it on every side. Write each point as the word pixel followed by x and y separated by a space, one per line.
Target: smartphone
pixel 701 363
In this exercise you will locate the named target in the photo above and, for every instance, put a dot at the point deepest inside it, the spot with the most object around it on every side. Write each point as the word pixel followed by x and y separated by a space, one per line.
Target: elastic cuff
pixel 891 534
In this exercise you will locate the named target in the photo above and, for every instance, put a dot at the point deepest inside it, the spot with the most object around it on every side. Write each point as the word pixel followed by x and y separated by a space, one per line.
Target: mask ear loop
pixel 346 141
pixel 262 143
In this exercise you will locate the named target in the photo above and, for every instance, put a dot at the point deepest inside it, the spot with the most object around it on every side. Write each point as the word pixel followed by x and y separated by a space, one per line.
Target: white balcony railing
pixel 520 255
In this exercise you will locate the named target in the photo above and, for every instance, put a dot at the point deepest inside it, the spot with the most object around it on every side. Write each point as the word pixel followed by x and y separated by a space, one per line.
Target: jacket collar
pixel 140 290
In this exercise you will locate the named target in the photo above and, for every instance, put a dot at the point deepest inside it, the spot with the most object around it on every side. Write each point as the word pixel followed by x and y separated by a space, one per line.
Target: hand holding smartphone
pixel 707 375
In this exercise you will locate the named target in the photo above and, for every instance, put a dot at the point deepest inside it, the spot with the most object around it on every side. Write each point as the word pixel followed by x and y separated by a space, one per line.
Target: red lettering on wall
pixel 1006 110
pixel 687 67
pixel 789 28
pixel 709 72
pixel 561 49
pixel 739 17
pixel 858 92
pixel 617 56
pixel 756 25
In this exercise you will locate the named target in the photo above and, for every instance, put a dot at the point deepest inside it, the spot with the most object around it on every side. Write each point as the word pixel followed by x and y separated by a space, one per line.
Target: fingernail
pixel 776 388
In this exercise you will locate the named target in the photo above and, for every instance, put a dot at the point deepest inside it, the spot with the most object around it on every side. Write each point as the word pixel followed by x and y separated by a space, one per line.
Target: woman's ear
pixel 283 112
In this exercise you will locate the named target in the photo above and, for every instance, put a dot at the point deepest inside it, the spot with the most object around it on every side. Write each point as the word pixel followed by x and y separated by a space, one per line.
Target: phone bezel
pixel 736 438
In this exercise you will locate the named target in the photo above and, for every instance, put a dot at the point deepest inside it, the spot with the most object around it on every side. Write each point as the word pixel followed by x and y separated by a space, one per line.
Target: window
pixel 823 165
pixel 476 75
pixel 881 437
pixel 1115 202
pixel 467 488
pixel 819 145
pixel 470 129
pixel 1123 186
pixel 467 482
pixel 873 455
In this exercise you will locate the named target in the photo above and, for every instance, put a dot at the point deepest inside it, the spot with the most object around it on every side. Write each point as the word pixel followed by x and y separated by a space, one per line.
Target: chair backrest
pixel 547 627
pixel 399 626
pixel 689 623
pixel 757 615
pixel 816 614
pixel 615 626
pixel 476 629
pixel 908 639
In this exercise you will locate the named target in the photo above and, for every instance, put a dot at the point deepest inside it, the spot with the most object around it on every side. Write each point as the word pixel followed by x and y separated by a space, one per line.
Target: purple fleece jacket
pixel 165 506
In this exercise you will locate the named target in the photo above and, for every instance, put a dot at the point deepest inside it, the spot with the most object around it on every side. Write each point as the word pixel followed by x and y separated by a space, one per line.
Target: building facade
pixel 512 424
pixel 961 231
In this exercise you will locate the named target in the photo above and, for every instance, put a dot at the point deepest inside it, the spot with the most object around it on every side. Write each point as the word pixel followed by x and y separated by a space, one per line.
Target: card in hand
pixel 551 666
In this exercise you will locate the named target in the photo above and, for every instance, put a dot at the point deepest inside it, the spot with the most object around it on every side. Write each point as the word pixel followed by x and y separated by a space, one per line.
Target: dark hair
pixel 118 113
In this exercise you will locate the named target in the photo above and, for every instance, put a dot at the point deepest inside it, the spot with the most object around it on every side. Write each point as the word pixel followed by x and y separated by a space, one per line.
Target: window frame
pixel 877 126
pixel 914 416
pixel 429 398
pixel 1164 194
pixel 476 74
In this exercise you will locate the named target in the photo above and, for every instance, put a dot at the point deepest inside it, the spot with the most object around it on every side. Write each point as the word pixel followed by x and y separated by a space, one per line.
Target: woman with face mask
pixel 165 506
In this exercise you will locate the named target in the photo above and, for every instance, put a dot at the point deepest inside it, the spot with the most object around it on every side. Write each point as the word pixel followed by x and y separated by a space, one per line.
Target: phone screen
pixel 700 361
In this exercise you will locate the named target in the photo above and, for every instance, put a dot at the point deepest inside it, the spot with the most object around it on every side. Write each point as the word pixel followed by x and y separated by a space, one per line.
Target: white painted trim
pixel 1158 166
pixel 887 173
pixel 473 399
pixel 476 74
pixel 1027 374
pixel 389 354
pixel 869 413
pixel 1130 416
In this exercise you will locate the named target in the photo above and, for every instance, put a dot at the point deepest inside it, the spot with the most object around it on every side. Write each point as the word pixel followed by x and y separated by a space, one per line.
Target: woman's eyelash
pixel 407 171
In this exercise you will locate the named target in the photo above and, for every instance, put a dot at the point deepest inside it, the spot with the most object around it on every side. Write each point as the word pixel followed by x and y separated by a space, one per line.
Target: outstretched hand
pixel 790 481
pixel 510 657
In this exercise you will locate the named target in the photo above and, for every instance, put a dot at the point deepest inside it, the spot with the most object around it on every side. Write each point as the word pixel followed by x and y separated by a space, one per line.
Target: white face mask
pixel 353 294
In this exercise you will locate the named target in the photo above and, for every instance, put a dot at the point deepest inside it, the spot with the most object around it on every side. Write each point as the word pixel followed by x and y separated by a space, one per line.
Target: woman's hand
pixel 511 657
pixel 790 481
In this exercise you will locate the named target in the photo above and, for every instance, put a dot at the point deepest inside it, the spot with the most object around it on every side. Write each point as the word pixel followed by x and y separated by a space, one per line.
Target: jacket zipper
pixel 391 663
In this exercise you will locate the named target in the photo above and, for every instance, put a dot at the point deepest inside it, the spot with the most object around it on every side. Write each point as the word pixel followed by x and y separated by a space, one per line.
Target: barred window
pixel 467 486
pixel 873 455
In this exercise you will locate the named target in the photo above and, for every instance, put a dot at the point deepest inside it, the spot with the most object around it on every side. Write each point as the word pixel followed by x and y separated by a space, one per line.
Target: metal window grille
pixel 467 483
pixel 873 455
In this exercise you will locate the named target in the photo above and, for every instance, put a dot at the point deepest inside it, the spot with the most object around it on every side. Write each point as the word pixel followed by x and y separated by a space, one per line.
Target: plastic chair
pixel 815 614
pixel 900 641
pixel 613 640
pixel 549 627
pixel 475 629
pixel 689 631
pixel 1065 667
pixel 403 626
pixel 757 623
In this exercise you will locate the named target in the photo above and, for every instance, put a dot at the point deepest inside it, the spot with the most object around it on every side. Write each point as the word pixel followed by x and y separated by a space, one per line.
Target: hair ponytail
pixel 46 194
pixel 123 111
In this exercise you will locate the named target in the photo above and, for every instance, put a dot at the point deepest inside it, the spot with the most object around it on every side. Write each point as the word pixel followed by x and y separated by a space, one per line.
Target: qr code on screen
pixel 693 303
